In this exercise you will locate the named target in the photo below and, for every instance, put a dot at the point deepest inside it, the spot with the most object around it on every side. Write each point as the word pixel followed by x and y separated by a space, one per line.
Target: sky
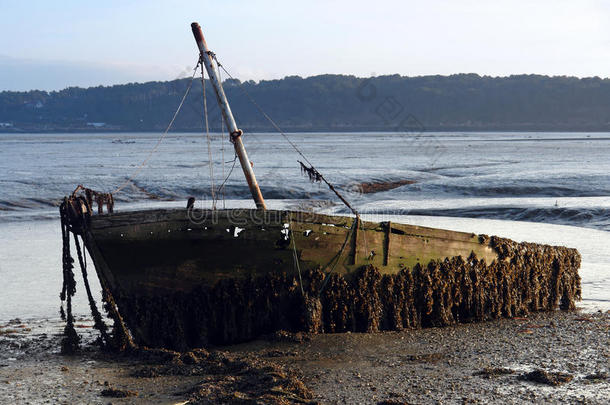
pixel 50 45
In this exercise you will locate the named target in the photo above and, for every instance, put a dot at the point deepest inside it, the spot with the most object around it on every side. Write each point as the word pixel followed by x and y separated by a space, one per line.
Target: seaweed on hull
pixel 527 277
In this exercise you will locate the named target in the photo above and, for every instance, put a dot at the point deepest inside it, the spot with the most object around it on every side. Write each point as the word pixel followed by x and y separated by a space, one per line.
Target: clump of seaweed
pixel 598 376
pixel 527 277
pixel 546 377
pixel 492 372
pixel 118 393
pixel 227 378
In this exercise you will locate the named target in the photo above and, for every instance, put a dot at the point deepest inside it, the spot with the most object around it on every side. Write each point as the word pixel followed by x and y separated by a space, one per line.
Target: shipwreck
pixel 189 277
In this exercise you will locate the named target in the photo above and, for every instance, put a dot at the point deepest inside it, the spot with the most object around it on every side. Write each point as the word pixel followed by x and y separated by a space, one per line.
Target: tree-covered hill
pixel 325 103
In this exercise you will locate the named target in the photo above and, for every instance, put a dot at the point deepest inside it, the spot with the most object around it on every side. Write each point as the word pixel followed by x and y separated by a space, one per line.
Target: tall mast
pixel 210 66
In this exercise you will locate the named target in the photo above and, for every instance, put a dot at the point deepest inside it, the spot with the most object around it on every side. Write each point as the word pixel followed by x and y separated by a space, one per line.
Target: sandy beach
pixel 558 357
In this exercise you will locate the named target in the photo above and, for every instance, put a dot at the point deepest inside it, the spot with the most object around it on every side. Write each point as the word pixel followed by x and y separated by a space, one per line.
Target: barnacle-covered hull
pixel 184 278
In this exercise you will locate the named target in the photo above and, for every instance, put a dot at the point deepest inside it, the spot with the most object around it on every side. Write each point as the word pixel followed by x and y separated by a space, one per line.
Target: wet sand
pixel 470 363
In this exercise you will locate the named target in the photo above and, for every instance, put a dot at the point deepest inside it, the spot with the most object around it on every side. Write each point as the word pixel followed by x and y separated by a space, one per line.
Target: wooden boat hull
pixel 187 278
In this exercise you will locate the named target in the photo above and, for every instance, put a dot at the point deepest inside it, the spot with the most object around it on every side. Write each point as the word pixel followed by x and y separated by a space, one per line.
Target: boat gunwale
pixel 159 215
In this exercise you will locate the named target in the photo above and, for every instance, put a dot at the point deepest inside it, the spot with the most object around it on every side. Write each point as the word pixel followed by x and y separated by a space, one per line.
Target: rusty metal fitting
pixel 236 134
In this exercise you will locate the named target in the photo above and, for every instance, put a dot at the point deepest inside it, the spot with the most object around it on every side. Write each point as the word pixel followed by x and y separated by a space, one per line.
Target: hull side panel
pixel 229 278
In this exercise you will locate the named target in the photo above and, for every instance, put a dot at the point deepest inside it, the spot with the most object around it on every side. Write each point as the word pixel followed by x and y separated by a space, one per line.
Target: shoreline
pixel 484 362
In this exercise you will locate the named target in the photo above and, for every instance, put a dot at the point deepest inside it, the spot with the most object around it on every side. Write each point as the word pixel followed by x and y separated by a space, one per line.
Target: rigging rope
pixel 315 176
pixel 222 150
pixel 311 168
pixel 347 239
pixel 207 133
pixel 154 149
pixel 294 253
pixel 222 186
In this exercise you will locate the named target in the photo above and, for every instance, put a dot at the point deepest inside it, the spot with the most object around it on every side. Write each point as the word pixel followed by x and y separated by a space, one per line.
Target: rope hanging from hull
pixel 75 212
pixel 70 342
pixel 98 321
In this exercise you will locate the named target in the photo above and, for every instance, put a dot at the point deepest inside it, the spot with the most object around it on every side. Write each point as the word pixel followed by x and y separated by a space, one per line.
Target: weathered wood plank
pixel 170 250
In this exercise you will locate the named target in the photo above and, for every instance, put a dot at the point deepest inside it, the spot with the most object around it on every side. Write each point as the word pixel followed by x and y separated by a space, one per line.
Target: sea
pixel 540 187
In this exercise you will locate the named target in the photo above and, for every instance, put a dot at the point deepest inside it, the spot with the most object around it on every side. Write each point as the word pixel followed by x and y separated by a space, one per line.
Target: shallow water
pixel 556 185
pixel 542 177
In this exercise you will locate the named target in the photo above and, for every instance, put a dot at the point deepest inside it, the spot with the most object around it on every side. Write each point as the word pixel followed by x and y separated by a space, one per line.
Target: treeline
pixel 325 103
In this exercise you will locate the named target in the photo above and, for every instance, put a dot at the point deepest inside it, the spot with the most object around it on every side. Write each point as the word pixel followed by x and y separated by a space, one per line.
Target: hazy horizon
pixel 47 47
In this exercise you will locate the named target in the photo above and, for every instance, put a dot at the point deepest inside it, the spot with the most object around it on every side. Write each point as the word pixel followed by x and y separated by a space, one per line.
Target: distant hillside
pixel 326 103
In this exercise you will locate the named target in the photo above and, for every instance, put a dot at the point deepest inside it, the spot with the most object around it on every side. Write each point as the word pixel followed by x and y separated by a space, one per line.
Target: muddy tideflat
pixel 567 354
